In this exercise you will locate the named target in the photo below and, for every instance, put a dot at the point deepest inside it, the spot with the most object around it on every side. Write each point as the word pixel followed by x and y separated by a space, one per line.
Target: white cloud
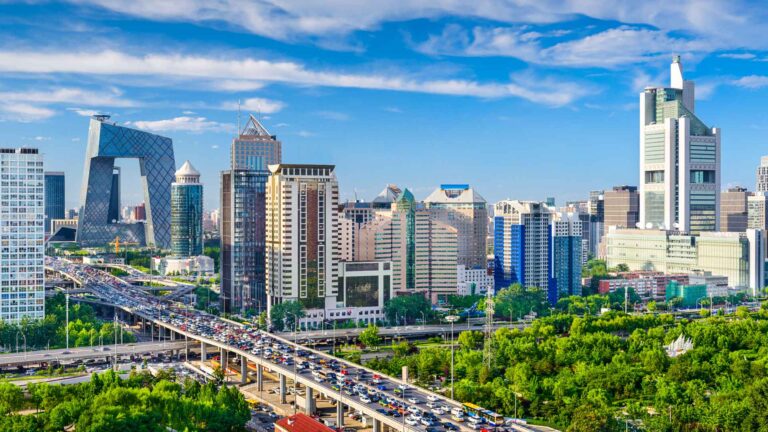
pixel 733 22
pixel 237 85
pixel 332 115
pixel 752 81
pixel 112 63
pixel 610 48
pixel 183 124
pixel 393 109
pixel 259 105
pixel 19 111
pixel 188 112
pixel 305 134
pixel 280 125
pixel 42 138
pixel 84 112
pixel 738 56
pixel 215 146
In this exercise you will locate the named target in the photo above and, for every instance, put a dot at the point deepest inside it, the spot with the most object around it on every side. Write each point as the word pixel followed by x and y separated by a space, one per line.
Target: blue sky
pixel 521 99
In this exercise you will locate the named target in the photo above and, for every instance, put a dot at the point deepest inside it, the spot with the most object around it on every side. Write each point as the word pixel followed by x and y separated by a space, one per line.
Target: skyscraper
pixel 461 207
pixel 762 176
pixel 255 148
pixel 521 244
pixel 243 218
pixel 596 221
pixel 423 249
pixel 187 212
pixel 302 235
pixel 114 197
pixel 242 241
pixel 679 160
pixel 734 209
pixel 565 256
pixel 621 207
pixel 22 234
pixel 54 197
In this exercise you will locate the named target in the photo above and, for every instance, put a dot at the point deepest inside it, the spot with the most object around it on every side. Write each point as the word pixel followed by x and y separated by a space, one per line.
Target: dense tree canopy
pixel 407 309
pixel 603 373
pixel 284 316
pixel 139 403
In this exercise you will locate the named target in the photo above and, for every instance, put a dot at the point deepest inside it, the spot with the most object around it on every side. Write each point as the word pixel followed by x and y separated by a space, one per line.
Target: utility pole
pixel 489 310
pixel 452 319
pixel 66 314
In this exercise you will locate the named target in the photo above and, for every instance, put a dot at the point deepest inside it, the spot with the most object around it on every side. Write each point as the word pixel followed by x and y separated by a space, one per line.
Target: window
pixel 654 177
pixel 702 176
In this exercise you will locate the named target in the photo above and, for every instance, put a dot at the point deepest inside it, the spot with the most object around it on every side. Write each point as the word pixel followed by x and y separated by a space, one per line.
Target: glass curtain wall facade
pixel 242 241
pixel 187 213
pixel 54 197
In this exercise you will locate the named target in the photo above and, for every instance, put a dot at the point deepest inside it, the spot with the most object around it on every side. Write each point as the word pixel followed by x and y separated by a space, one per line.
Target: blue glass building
pixel 54 197
pixel 187 213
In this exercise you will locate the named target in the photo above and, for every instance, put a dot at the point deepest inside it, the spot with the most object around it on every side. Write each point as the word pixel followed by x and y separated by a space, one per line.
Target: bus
pixel 478 414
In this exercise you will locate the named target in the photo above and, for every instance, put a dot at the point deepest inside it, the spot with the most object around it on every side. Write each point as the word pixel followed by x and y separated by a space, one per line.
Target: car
pixel 394 413
pixel 432 398
pixel 381 387
pixel 382 411
pixel 413 409
pixel 450 426
pixel 411 421
pixel 437 411
pixel 365 399
pixel 431 404
pixel 417 416
pixel 413 400
pixel 403 387
pixel 426 422
pixel 445 409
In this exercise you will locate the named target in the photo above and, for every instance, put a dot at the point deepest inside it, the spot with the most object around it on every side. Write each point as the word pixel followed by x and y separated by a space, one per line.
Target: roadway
pixel 397 331
pixel 230 339
pixel 81 353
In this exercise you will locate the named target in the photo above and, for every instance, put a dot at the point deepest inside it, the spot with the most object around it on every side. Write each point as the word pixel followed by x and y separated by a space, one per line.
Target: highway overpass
pixel 63 356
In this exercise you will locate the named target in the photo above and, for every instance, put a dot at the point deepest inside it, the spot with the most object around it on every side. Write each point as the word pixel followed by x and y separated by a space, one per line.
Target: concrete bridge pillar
pixel 260 377
pixel 282 389
pixel 377 425
pixel 339 414
pixel 309 401
pixel 202 352
pixel 243 370
pixel 173 335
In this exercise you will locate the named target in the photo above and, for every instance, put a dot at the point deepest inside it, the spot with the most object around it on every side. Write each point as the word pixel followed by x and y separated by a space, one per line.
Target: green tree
pixel 408 308
pixel 370 336
pixel 284 316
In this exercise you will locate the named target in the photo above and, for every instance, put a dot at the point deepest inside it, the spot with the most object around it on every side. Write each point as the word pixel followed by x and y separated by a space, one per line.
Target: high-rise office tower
pixel 762 176
pixel 461 207
pixel 621 207
pixel 423 249
pixel 734 209
pixel 22 234
pixel 521 244
pixel 596 221
pixel 242 241
pixel 757 214
pixel 255 148
pixel 679 160
pixel 140 212
pixel 54 197
pixel 114 197
pixel 243 218
pixel 565 256
pixel 187 212
pixel 302 235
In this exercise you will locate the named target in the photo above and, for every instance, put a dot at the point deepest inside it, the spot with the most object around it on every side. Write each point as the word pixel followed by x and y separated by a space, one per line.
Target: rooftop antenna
pixel 238 117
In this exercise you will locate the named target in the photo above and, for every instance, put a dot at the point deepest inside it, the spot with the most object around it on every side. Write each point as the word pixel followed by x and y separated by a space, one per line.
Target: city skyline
pixel 312 87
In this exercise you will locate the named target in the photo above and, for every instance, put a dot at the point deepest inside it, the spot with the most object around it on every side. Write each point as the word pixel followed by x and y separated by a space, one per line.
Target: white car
pixel 426 422
pixel 411 421
pixel 432 398
pixel 437 411
pixel 445 409
pixel 365 399
pixel 416 416
pixel 431 404
pixel 413 400
pixel 413 410
pixel 402 387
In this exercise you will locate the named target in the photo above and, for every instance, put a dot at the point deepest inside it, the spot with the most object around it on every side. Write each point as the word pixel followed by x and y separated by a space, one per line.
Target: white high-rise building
pixel 679 160
pixel 762 176
pixel 302 236
pixel 22 235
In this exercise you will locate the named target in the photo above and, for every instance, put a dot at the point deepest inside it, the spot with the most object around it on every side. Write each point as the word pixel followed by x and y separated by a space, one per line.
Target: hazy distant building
pixel 565 256
pixel 187 212
pixel 762 176
pixel 596 220
pixel 734 209
pixel 461 207
pixel 54 197
pixel 757 214
pixel 679 160
pixel 22 218
pixel 621 207
pixel 140 212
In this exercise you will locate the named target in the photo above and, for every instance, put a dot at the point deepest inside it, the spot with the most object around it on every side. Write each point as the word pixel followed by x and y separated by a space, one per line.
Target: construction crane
pixel 117 244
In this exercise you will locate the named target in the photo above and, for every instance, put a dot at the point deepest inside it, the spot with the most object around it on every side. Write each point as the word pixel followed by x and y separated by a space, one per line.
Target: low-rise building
pixel 364 289
pixel 201 265
pixel 300 422
pixel 473 281
pixel 691 295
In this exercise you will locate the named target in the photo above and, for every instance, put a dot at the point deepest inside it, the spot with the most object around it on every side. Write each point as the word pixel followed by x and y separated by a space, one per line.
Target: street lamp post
pixel 66 315
pixel 452 319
